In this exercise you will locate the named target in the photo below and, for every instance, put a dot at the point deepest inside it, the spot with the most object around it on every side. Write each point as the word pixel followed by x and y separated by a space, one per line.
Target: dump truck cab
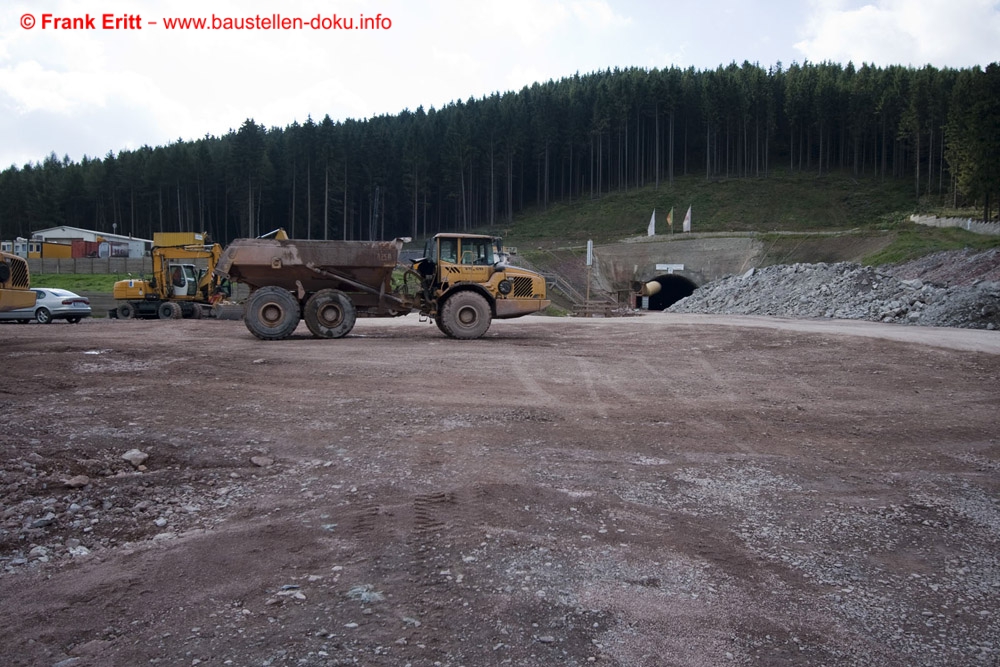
pixel 463 273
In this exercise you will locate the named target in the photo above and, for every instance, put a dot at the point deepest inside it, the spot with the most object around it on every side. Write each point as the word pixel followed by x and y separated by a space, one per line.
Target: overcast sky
pixel 91 91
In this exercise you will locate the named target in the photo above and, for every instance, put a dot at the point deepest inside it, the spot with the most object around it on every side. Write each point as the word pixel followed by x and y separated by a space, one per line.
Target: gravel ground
pixel 955 289
pixel 656 490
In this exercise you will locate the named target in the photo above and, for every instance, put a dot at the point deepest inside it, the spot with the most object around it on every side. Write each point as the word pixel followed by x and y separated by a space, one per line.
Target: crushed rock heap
pixel 851 291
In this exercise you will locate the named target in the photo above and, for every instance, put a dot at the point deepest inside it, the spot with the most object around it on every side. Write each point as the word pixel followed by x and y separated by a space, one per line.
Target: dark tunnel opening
pixel 673 288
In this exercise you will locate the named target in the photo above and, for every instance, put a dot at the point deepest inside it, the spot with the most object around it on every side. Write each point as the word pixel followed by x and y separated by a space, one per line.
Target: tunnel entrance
pixel 673 288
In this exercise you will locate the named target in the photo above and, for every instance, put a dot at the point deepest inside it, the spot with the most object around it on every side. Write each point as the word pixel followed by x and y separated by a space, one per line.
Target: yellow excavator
pixel 182 284
pixel 15 283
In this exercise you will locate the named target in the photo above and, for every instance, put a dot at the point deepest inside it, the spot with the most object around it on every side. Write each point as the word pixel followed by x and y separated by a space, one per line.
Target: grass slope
pixel 786 202
pixel 92 283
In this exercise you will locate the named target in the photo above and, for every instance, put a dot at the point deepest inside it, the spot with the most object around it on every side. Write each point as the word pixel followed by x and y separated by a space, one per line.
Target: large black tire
pixel 329 313
pixel 440 325
pixel 74 320
pixel 43 316
pixel 272 313
pixel 169 310
pixel 196 312
pixel 465 315
pixel 126 311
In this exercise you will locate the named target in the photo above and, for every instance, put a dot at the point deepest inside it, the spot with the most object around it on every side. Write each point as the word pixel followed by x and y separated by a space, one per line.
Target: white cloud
pixel 530 21
pixel 598 15
pixel 944 33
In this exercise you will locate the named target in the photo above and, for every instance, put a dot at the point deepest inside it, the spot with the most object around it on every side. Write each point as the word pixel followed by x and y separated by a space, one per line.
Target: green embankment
pixel 866 208
pixel 93 283
pixel 913 241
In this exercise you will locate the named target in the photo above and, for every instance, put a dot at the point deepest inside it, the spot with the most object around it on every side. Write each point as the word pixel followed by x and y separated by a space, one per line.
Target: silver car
pixel 52 304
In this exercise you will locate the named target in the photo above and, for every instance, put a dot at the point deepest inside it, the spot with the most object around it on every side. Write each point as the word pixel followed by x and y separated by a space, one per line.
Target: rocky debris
pixel 77 481
pixel 851 291
pixel 51 515
pixel 952 267
pixel 135 457
pixel 365 593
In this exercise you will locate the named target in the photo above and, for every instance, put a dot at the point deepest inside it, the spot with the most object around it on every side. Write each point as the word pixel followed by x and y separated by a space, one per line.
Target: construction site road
pixel 639 491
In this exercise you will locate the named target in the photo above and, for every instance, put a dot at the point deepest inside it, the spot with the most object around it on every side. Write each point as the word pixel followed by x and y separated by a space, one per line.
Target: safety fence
pixel 968 224
pixel 106 265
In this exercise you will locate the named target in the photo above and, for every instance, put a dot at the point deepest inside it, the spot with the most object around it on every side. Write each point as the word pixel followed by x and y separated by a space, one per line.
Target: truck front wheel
pixel 272 313
pixel 465 315
pixel 329 313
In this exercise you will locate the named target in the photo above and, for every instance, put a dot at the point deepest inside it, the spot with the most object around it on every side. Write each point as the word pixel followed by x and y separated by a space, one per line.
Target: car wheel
pixel 23 321
pixel 43 316
pixel 74 320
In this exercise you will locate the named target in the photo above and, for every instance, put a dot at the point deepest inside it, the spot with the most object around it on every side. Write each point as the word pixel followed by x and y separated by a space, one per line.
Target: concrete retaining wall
pixel 704 259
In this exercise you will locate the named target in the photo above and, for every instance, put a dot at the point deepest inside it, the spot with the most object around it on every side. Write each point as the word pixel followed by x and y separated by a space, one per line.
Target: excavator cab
pixel 183 280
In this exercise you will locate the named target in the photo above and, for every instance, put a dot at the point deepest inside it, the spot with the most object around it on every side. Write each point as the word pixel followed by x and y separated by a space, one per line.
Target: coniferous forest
pixel 479 162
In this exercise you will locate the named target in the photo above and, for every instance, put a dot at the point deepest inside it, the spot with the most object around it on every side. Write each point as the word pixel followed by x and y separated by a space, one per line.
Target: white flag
pixel 651 230
pixel 687 220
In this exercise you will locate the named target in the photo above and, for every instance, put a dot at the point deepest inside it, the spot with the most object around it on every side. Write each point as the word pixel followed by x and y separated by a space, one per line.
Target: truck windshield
pixel 449 250
pixel 477 251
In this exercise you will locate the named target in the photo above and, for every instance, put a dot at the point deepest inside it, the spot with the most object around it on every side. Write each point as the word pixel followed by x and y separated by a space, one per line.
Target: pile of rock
pixel 847 291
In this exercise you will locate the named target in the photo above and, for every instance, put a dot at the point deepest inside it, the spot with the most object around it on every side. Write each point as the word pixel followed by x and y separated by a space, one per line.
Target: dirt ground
pixel 654 490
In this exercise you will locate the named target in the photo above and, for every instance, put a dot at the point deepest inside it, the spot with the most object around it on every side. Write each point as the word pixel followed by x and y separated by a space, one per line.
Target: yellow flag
pixel 670 218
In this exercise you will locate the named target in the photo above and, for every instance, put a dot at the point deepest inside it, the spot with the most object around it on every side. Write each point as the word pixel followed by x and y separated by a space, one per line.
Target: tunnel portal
pixel 673 288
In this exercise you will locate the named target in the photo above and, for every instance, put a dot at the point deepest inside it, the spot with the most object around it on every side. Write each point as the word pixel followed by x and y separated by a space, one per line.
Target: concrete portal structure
pixel 704 258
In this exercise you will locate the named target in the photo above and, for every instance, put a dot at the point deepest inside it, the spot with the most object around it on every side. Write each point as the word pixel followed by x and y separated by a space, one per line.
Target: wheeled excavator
pixel 182 284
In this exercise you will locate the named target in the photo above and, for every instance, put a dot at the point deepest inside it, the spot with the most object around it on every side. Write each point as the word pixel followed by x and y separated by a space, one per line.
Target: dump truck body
pixel 330 283
pixel 15 283
pixel 361 268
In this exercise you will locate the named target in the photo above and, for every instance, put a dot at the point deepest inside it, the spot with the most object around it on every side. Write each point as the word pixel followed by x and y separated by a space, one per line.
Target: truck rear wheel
pixel 126 311
pixel 329 313
pixel 465 315
pixel 272 313
pixel 169 310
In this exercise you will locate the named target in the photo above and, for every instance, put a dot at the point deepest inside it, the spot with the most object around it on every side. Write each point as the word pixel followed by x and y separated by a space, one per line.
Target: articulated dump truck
pixel 462 282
